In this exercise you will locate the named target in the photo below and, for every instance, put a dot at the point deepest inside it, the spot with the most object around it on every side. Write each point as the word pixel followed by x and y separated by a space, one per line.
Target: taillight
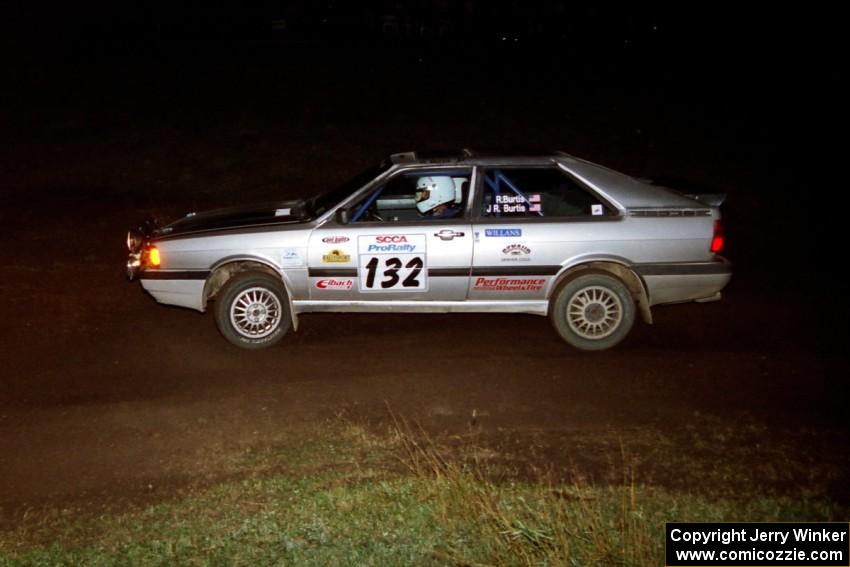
pixel 717 240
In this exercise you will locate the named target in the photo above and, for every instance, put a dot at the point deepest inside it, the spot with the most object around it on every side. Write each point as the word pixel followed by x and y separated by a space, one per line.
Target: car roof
pixel 472 157
pixel 626 190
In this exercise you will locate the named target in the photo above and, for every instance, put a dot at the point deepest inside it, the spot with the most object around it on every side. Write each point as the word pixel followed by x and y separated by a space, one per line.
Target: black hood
pixel 283 212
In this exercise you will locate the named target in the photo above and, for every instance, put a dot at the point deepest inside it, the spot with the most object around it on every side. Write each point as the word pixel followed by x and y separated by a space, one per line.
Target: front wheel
pixel 593 311
pixel 252 311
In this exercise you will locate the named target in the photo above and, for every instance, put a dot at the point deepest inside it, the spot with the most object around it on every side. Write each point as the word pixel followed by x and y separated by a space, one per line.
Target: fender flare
pixel 615 267
pixel 225 269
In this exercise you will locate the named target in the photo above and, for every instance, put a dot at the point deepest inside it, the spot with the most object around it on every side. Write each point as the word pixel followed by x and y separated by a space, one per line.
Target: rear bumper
pixel 685 281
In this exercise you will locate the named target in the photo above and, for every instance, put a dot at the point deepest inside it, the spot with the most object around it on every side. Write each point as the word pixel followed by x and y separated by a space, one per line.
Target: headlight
pixel 135 239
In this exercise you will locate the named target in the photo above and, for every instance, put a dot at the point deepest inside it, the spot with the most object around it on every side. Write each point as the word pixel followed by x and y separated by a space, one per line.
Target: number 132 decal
pixel 392 262
pixel 407 275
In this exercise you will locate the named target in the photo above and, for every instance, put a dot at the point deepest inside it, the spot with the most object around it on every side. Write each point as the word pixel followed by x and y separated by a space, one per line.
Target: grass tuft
pixel 351 496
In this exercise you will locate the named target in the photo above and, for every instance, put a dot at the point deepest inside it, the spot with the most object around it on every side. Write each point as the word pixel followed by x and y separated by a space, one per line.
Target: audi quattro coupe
pixel 551 235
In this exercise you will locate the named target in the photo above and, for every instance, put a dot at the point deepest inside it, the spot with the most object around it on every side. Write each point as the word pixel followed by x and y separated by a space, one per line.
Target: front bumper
pixel 137 238
pixel 134 264
pixel 181 292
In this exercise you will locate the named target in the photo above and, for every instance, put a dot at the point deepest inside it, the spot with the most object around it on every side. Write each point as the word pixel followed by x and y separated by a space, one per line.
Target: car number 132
pixel 392 263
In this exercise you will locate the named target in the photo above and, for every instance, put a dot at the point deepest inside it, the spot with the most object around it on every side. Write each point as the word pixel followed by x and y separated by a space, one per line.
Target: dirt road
pixel 107 397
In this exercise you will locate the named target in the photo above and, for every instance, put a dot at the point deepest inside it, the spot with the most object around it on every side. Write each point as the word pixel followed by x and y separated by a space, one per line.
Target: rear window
pixel 537 192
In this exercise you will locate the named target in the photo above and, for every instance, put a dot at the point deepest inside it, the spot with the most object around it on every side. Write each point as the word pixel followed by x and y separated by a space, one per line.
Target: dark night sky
pixel 776 69
pixel 769 75
pixel 779 53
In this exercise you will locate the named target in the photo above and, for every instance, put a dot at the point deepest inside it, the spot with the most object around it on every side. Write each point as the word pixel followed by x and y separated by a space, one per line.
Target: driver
pixel 435 197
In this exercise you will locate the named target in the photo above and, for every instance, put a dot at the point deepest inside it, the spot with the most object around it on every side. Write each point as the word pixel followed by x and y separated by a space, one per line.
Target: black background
pixel 743 101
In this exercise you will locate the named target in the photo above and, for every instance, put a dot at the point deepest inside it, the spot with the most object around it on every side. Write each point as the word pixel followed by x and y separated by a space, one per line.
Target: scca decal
pixel 394 238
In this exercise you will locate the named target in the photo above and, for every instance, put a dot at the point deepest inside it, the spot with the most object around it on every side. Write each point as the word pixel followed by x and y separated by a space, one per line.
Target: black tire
pixel 593 311
pixel 252 311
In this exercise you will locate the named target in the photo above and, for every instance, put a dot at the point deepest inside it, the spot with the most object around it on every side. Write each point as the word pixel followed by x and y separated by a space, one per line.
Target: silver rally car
pixel 453 232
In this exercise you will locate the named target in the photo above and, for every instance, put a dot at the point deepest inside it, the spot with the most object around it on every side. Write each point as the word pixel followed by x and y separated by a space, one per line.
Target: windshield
pixel 321 203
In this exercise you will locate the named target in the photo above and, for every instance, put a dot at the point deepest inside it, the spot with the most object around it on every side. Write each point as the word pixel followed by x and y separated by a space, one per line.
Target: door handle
pixel 447 234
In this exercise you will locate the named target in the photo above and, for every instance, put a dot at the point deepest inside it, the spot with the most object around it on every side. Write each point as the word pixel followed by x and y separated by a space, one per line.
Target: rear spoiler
pixel 688 189
pixel 710 199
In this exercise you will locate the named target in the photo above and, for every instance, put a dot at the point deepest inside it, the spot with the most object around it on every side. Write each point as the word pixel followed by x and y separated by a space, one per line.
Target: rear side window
pixel 535 193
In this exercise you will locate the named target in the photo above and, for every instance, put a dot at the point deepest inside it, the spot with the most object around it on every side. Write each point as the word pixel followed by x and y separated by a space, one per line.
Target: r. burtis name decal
pixel 515 204
pixel 509 284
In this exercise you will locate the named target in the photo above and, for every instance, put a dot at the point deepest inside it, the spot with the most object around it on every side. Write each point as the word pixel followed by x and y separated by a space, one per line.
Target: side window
pixel 536 192
pixel 416 195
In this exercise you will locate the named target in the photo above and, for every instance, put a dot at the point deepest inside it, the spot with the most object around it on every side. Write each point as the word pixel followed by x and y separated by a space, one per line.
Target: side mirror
pixel 343 216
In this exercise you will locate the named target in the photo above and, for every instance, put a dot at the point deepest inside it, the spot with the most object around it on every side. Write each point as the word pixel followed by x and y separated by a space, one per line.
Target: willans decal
pixel 503 232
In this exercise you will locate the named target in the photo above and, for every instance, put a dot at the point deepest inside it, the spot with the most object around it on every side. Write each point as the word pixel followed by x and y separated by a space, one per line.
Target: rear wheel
pixel 252 311
pixel 593 311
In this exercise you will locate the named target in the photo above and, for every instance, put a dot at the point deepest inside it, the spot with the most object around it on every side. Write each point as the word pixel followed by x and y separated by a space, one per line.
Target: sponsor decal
pixel 404 248
pixel 508 284
pixel 291 257
pixel 596 210
pixel 503 232
pixel 282 212
pixel 516 250
pixel 335 284
pixel 335 239
pixel 516 253
pixel 336 256
pixel 393 238
pixel 391 244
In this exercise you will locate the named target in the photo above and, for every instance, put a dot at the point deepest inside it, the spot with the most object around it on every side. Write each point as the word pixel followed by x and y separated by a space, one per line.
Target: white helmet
pixel 434 191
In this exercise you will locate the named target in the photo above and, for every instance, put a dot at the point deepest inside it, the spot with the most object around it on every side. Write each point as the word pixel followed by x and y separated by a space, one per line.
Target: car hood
pixel 282 212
